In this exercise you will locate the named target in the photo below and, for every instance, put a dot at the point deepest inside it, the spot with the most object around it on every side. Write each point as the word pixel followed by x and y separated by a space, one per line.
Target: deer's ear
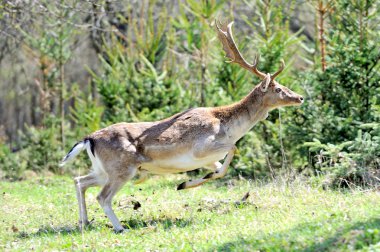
pixel 265 83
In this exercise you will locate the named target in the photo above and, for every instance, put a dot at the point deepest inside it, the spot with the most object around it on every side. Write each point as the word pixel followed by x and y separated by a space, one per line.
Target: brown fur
pixel 194 138
pixel 125 148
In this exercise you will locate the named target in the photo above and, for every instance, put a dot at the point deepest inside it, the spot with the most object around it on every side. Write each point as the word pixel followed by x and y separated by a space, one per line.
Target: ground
pixel 41 214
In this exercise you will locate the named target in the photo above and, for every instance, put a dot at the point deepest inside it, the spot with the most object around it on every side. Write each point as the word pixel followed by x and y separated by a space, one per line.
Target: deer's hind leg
pixel 81 185
pixel 143 176
pixel 114 183
pixel 220 171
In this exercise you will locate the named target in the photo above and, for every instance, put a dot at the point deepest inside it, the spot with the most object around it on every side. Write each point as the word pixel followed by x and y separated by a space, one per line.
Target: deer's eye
pixel 278 90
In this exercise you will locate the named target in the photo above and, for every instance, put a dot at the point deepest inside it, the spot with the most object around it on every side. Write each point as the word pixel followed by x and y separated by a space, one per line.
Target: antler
pixel 233 53
pixel 279 70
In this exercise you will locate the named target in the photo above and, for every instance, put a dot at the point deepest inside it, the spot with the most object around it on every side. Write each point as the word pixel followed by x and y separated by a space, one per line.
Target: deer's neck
pixel 238 118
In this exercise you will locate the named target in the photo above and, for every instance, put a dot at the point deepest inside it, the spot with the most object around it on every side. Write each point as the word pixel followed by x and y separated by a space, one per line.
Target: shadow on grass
pixel 341 236
pixel 51 230
pixel 166 223
pixel 354 235
pixel 132 224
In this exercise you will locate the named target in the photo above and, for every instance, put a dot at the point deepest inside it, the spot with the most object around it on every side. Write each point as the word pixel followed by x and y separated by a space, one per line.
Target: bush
pixel 11 163
pixel 350 163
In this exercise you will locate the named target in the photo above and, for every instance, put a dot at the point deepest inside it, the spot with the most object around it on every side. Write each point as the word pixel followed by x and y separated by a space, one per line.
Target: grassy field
pixel 41 214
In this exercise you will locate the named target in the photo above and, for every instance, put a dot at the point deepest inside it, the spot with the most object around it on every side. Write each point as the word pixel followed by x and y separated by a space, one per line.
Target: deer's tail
pixel 87 143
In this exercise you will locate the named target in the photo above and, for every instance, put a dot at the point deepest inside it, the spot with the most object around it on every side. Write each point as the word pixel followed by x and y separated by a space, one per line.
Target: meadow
pixel 41 214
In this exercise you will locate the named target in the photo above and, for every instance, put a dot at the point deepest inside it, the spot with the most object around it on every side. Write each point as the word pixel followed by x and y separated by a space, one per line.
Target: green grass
pixel 41 214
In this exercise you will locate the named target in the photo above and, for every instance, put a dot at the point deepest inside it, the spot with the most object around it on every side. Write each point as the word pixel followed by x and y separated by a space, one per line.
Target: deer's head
pixel 273 94
pixel 276 95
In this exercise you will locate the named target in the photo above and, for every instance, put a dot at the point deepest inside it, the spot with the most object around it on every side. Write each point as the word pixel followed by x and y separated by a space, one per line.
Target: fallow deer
pixel 195 138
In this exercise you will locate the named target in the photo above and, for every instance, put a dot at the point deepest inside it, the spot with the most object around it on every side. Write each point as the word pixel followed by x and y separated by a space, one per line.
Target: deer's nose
pixel 301 99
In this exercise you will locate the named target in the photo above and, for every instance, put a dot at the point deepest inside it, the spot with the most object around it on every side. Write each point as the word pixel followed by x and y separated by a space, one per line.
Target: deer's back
pixel 165 139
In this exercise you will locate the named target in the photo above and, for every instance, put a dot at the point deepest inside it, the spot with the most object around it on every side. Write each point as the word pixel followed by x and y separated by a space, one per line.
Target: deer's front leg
pixel 218 173
pixel 143 176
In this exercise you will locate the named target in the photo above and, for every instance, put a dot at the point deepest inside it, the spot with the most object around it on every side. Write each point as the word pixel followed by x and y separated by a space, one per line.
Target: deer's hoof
pixel 119 231
pixel 181 186
pixel 83 225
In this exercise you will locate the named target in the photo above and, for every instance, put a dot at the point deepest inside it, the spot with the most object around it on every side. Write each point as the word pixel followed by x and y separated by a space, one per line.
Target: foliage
pixel 40 151
pixel 41 147
pixel 86 113
pixel 341 100
pixel 12 164
pixel 154 60
pixel 133 89
pixel 352 162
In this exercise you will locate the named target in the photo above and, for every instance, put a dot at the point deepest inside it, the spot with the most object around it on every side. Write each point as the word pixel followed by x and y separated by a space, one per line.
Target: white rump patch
pixel 97 167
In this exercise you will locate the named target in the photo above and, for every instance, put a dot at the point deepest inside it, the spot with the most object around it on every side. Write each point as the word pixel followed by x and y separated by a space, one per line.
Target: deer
pixel 195 138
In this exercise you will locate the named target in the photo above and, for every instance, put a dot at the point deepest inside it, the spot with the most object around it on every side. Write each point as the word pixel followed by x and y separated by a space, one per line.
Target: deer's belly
pixel 180 163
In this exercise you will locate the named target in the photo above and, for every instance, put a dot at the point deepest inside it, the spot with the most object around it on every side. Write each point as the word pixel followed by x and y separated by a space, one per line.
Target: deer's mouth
pixel 300 100
pixel 297 100
pixel 294 101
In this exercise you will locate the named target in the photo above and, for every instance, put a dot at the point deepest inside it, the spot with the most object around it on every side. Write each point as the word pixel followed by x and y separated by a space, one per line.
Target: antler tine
pixel 256 60
pixel 216 23
pixel 232 52
pixel 279 70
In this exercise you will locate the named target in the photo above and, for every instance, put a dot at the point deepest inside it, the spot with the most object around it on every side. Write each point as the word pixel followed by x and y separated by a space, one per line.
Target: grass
pixel 41 214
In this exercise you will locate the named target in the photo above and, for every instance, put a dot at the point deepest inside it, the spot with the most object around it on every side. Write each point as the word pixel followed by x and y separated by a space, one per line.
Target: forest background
pixel 68 68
